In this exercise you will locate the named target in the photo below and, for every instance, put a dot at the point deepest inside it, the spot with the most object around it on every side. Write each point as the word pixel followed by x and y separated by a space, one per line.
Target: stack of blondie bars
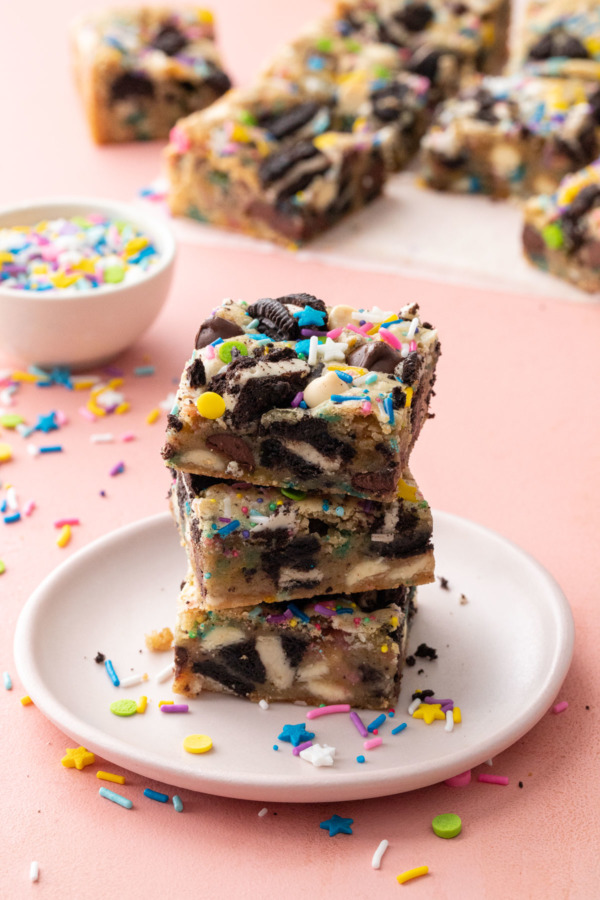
pixel 306 534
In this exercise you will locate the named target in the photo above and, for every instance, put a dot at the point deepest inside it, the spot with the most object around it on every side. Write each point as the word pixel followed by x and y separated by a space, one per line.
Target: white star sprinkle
pixel 332 351
pixel 372 315
pixel 319 755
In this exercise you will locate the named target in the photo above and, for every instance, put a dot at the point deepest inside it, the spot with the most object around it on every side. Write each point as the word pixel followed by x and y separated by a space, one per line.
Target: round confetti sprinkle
pixel 225 350
pixel 197 743
pixel 210 405
pixel 123 707
pixel 447 825
pixel 5 452
pixel 360 759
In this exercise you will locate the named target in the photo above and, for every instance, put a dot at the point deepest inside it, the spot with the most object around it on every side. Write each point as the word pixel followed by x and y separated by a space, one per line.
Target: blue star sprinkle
pixel 309 317
pixel 295 734
pixel 337 825
pixel 47 423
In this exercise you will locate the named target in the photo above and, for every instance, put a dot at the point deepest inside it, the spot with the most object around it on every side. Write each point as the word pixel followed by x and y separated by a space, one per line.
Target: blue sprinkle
pixel 302 347
pixel 344 376
pixel 111 672
pixel 377 722
pixel 7 681
pixel 143 254
pixel 341 398
pixel 3 506
pixel 391 714
pixel 116 798
pixel 339 510
pixel 141 371
pixel 360 759
pixel 315 63
pixel 275 747
pixel 155 795
pixel 188 508
pixel 177 803
pixel 399 728
pixel 303 405
pixel 298 613
pixel 217 342
pixel 54 448
pixel 13 517
pixel 388 405
pixel 325 505
pixel 207 576
pixel 395 322
pixel 344 609
pixel 254 337
pixel 227 529
pixel 245 533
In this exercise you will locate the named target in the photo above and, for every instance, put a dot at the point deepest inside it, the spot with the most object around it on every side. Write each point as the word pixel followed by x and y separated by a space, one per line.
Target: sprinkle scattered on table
pixel 337 825
pixel 78 758
pixel 447 825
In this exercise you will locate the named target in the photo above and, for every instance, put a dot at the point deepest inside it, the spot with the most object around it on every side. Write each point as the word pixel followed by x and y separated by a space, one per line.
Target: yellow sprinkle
pixel 24 376
pixel 6 257
pixel 78 758
pixel 123 408
pixel 394 621
pixel 39 268
pixel 5 452
pixel 354 370
pixel 153 416
pixel 94 408
pixel 592 45
pixel 412 873
pixel 135 245
pixel 197 743
pixel 142 704
pixel 360 124
pixel 115 383
pixel 83 385
pixel 87 266
pixel 165 703
pixel 108 776
pixel 205 16
pixel 407 491
pixel 326 140
pixel 408 393
pixel 240 135
pixel 456 715
pixel 376 327
pixel 488 34
pixel 210 405
pixel 429 712
pixel 26 700
pixel 62 280
pixel 384 648
pixel 41 226
pixel 293 623
pixel 64 536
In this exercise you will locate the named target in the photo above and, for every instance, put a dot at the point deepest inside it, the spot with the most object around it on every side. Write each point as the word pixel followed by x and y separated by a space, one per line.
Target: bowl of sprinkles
pixel 80 279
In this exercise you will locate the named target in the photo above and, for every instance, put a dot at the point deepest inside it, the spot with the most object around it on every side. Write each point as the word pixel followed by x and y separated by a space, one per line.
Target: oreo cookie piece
pixel 217 79
pixel 302 300
pixel 558 43
pixel 279 164
pixel 415 17
pixel 214 328
pixel 131 85
pixel 290 121
pixel 196 374
pixel 388 102
pixel 410 368
pixel 275 320
pixel 170 40
pixel 377 356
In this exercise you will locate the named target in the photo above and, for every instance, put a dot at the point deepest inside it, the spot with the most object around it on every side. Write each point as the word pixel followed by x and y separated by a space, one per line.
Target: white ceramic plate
pixel 502 658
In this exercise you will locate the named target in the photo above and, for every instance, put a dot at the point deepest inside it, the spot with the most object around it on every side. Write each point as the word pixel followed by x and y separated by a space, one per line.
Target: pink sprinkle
pixel 60 523
pixel 334 335
pixel 245 510
pixel 96 218
pixel 174 708
pixel 210 352
pixel 358 722
pixel 128 436
pixel 492 779
pixel 179 139
pixel 412 346
pixel 327 710
pixel 355 328
pixel 296 750
pixel 117 470
pixel 374 742
pixel 390 339
pixel 461 780
pixel 60 417
pixel 298 399
pixel 29 507
pixel 560 707
pixel 366 407
pixel 86 414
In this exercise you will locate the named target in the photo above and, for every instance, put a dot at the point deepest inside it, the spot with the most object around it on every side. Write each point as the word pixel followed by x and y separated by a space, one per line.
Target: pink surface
pixel 513 446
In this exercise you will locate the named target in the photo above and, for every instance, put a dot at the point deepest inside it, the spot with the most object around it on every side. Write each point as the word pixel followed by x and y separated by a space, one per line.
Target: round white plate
pixel 502 659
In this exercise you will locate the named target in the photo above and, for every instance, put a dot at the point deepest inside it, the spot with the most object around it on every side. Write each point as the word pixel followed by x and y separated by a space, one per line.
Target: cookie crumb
pixel 444 584
pixel 159 640
pixel 99 657
pixel 425 652
pixel 520 784
pixel 462 600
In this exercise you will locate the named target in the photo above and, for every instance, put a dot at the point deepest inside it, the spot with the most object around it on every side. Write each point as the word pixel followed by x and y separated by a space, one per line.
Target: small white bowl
pixel 53 328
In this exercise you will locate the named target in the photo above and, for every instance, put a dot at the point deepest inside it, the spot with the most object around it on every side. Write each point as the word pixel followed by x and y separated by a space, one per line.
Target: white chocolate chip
pixel 340 316
pixel 321 389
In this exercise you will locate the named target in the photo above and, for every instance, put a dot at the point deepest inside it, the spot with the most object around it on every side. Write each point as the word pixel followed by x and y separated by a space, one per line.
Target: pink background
pixel 514 445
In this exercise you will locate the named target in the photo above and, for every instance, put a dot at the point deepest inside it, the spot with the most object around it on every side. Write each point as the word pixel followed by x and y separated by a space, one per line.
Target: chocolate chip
pixel 274 320
pixel 170 40
pixel 558 43
pixel 173 423
pixel 214 328
pixel 131 85
pixel 232 446
pixel 290 121
pixel 533 242
pixel 377 356
pixel 380 482
pixel 277 165
pixel 302 300
pixel 411 367
pixel 196 374
pixel 415 17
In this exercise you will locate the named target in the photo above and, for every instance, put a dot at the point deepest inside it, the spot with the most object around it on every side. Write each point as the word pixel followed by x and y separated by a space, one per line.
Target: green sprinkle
pixel 11 420
pixel 382 72
pixel 553 236
pixel 324 45
pixel 352 46
pixel 247 118
pixel 292 494
pixel 2 568
pixel 219 178
pixel 207 575
pixel 272 506
pixel 114 274
pixel 123 707
pixel 447 825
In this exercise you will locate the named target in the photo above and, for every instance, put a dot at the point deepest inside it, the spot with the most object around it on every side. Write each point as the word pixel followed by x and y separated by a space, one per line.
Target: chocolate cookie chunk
pixel 380 482
pixel 388 102
pixel 279 164
pixel 558 43
pixel 533 242
pixel 214 328
pixel 302 300
pixel 170 40
pixel 217 79
pixel 232 446
pixel 196 374
pixel 415 17
pixel 410 369
pixel 275 320
pixel 131 85
pixel 292 120
pixel 376 356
